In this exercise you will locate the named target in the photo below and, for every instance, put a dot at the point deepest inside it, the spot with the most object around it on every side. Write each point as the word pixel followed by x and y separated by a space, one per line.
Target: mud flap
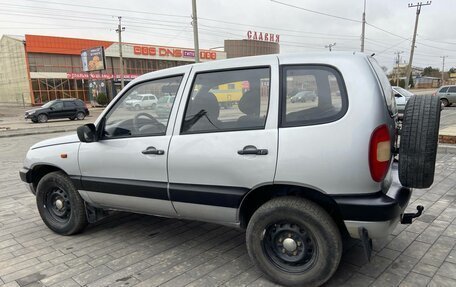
pixel 366 242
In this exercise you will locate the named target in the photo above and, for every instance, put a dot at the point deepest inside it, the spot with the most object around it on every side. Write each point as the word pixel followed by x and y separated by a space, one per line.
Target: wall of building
pixel 14 82
pixel 244 48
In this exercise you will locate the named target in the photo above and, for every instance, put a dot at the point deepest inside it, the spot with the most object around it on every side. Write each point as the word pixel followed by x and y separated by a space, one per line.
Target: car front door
pixel 127 168
pixel 217 155
pixel 451 94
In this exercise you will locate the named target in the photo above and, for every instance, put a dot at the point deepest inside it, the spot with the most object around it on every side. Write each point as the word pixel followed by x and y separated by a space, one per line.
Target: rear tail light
pixel 379 153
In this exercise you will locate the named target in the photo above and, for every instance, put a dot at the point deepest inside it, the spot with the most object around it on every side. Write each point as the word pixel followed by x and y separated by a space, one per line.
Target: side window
pixel 452 90
pixel 69 104
pixel 228 101
pixel 57 106
pixel 126 119
pixel 311 95
pixel 443 90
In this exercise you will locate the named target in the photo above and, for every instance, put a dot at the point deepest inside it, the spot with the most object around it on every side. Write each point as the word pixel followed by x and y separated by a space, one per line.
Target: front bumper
pixel 378 213
pixel 26 176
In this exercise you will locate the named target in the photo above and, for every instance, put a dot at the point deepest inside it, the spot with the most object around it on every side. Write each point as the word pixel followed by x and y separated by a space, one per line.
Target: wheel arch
pixel 258 196
pixel 40 170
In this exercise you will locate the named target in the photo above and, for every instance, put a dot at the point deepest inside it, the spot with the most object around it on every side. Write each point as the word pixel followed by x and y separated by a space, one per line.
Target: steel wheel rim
pixel 290 247
pixel 80 116
pixel 57 204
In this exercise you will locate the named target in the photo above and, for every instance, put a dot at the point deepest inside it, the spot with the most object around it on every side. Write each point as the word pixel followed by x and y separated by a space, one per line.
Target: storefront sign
pixel 172 52
pixel 93 59
pixel 97 76
pixel 260 36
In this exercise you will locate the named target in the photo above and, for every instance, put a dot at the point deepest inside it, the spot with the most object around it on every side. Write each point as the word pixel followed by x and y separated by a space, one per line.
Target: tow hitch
pixel 407 217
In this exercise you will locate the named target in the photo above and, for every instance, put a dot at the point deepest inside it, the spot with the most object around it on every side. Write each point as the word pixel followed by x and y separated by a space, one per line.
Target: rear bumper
pixel 379 213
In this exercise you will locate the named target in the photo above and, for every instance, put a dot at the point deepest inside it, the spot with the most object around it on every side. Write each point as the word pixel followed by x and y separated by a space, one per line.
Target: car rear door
pixel 69 109
pixel 217 155
pixel 127 168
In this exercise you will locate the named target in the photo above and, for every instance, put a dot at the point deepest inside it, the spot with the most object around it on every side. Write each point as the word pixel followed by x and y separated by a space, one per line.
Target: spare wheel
pixel 418 142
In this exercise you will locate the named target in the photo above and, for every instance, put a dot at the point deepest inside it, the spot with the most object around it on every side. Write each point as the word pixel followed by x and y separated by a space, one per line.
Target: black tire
pixel 34 121
pixel 137 107
pixel 444 102
pixel 42 118
pixel 71 217
pixel 80 116
pixel 418 141
pixel 304 221
pixel 154 106
pixel 72 118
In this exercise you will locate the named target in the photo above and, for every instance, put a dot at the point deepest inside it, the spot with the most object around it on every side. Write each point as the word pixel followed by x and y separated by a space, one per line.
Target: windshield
pixel 48 104
pixel 403 92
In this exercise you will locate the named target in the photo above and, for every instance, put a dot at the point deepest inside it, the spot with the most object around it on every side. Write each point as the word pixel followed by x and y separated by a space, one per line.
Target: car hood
pixel 32 110
pixel 73 138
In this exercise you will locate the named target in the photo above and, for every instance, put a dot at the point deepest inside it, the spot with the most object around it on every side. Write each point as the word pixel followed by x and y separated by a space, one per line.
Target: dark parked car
pixel 58 109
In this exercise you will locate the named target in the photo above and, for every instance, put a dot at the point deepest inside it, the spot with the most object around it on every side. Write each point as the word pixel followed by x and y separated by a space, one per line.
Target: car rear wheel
pixel 60 205
pixel 42 118
pixel 80 116
pixel 294 242
pixel 418 141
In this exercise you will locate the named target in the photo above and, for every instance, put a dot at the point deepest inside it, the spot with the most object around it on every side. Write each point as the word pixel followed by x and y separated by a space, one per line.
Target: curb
pixel 446 148
pixel 39 132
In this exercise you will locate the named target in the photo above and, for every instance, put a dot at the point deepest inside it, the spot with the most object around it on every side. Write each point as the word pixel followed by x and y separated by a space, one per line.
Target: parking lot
pixel 128 249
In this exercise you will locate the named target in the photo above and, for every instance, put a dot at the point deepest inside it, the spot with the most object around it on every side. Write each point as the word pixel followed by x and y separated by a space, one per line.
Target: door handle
pixel 251 149
pixel 153 150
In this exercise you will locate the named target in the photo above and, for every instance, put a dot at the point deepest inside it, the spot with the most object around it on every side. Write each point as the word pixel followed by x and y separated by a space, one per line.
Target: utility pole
pixel 364 27
pixel 412 50
pixel 119 30
pixel 443 67
pixel 398 59
pixel 330 46
pixel 195 31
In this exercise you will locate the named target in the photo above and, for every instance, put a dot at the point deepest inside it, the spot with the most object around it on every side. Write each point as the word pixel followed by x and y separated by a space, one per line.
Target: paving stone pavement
pixel 137 250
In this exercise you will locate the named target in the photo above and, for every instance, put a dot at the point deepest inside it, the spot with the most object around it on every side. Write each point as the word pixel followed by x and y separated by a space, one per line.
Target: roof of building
pixel 60 45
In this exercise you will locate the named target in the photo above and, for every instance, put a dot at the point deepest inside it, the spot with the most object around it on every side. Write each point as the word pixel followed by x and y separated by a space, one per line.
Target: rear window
pixel 311 95
pixel 386 87
pixel 68 104
pixel 452 89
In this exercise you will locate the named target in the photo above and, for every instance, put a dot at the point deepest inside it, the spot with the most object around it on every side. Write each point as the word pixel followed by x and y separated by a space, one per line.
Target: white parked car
pixel 296 177
pixel 142 101
pixel 402 96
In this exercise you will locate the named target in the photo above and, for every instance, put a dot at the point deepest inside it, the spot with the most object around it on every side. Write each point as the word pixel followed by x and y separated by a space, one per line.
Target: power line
pixel 316 12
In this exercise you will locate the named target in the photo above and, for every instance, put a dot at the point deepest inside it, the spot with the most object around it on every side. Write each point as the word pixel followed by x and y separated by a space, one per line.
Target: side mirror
pixel 51 108
pixel 87 133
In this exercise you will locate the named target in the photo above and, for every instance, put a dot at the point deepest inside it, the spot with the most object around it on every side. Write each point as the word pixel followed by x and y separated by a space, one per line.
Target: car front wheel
pixel 42 118
pixel 294 242
pixel 60 205
pixel 80 115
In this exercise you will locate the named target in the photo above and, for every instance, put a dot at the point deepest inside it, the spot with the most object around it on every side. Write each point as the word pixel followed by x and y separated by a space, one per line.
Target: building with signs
pixel 35 69
pixel 257 43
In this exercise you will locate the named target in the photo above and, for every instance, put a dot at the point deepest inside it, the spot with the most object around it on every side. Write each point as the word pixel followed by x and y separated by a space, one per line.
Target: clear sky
pixel 168 22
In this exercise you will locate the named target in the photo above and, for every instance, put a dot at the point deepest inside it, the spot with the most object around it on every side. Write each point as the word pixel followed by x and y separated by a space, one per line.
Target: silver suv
pixel 298 176
pixel 447 95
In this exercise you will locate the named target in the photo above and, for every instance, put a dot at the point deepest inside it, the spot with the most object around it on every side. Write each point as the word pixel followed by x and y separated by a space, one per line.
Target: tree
pixel 431 72
pixel 452 70
pixel 102 99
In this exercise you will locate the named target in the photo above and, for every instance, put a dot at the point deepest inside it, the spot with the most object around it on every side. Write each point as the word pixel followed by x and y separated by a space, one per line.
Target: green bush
pixel 102 99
